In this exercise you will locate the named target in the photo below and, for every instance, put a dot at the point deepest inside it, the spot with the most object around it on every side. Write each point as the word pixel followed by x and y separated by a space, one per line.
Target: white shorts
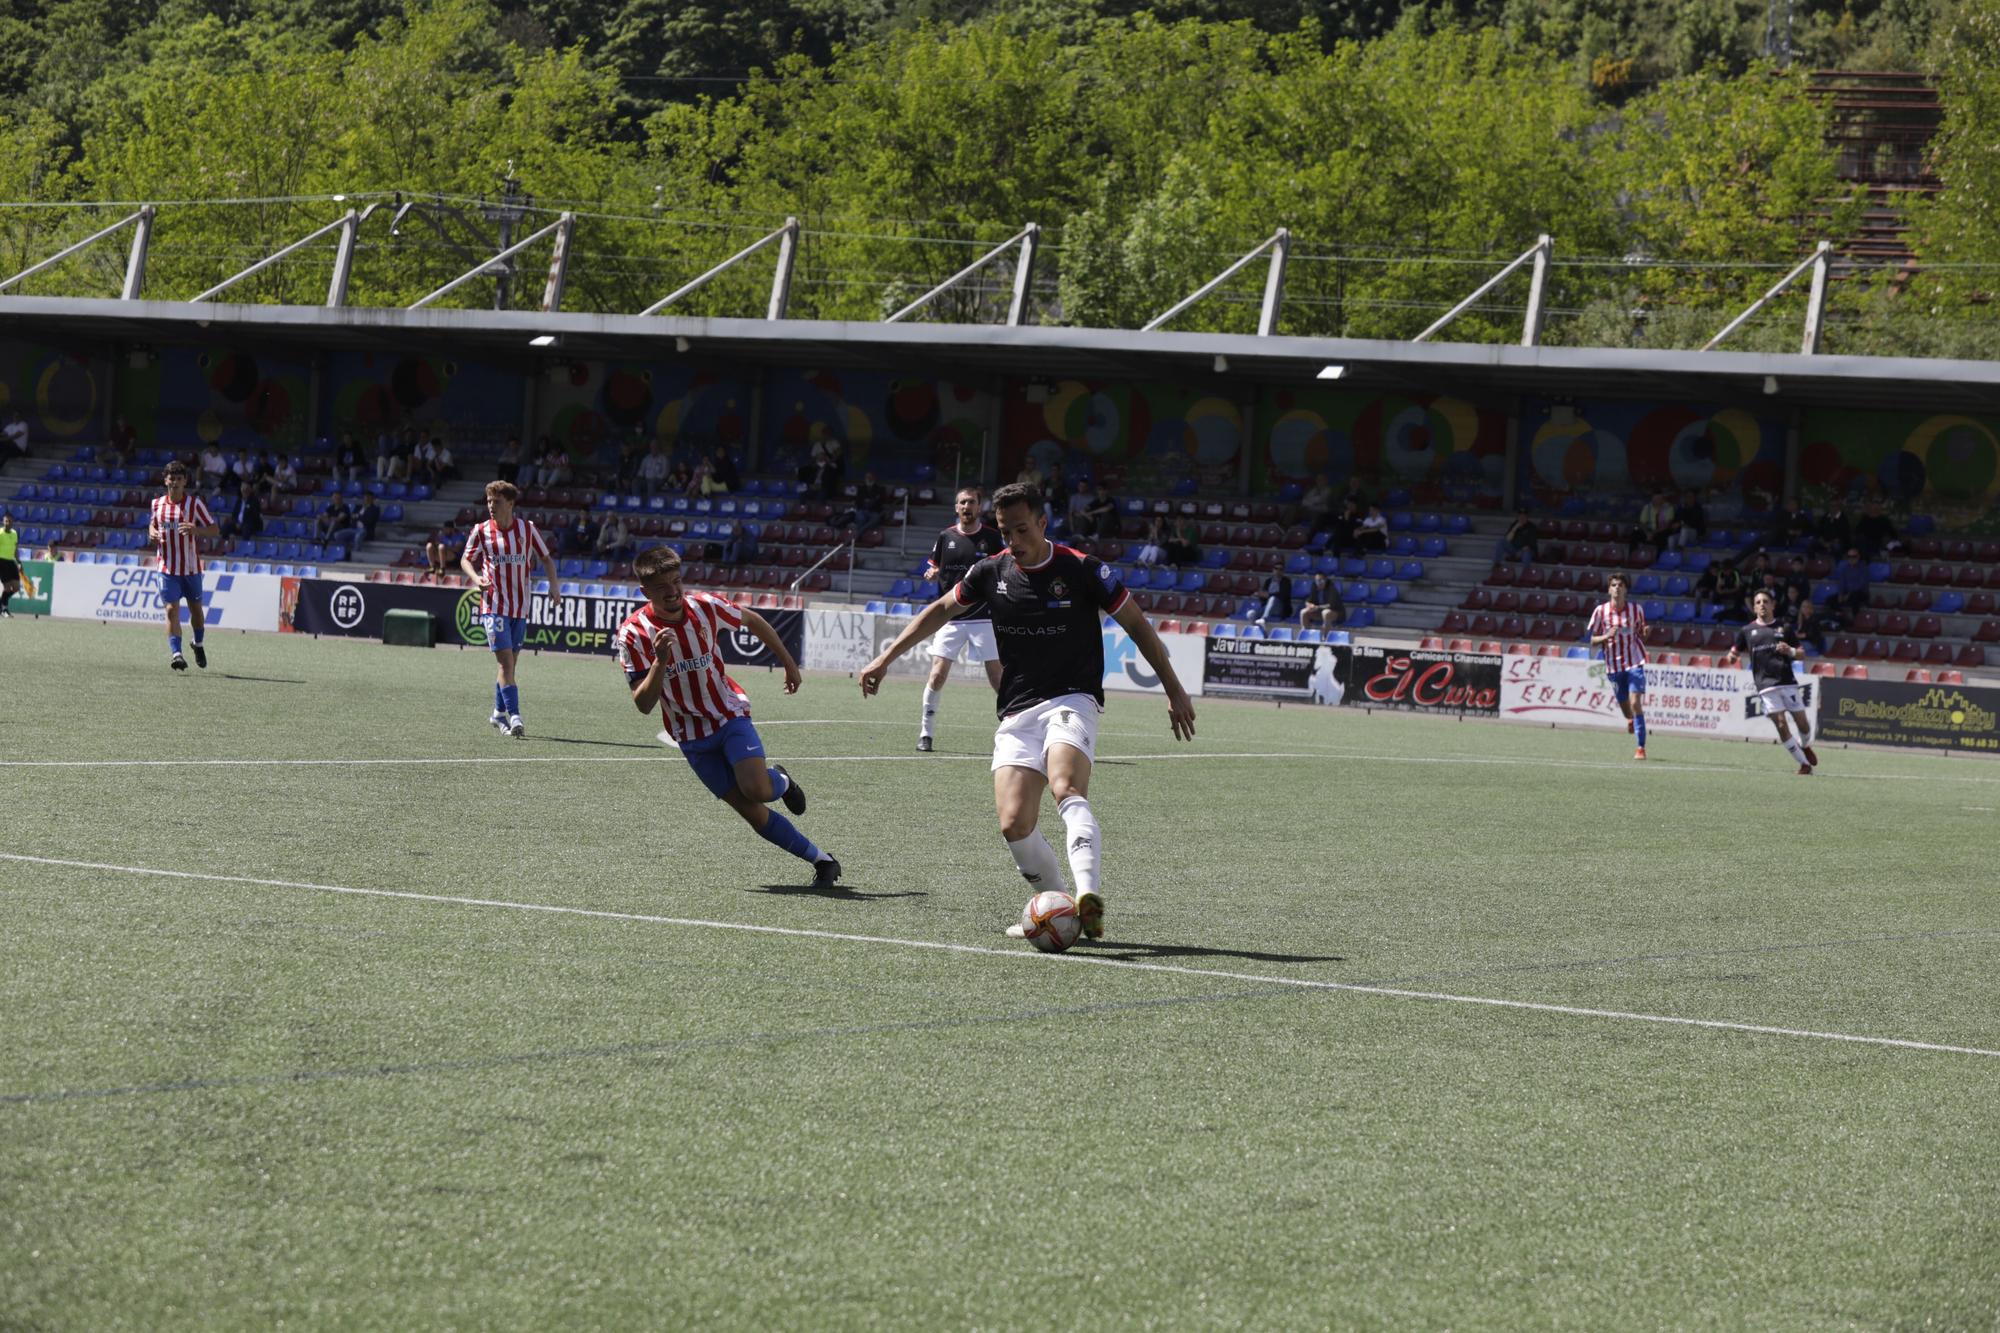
pixel 1781 699
pixel 1023 740
pixel 968 641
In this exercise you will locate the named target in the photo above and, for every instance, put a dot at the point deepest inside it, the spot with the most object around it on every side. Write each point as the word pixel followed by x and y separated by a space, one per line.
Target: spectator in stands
pixel 1850 587
pixel 402 466
pixel 829 464
pixel 347 463
pixel 1797 584
pixel 16 433
pixel 1277 595
pixel 680 479
pixel 1184 547
pixel 871 501
pixel 710 473
pixel 1154 548
pixel 1730 595
pixel 579 538
pixel 1791 524
pixel 741 548
pixel 367 517
pixel 385 454
pixel 652 474
pixel 241 469
pixel 1694 519
pixel 332 519
pixel 508 466
pixel 555 468
pixel 442 551
pixel 1030 475
pixel 632 455
pixel 1342 530
pixel 1356 496
pixel 1875 534
pixel 245 515
pixel 1519 542
pixel 614 539
pixel 122 442
pixel 1372 533
pixel 1324 608
pixel 1058 487
pixel 214 468
pixel 1835 531
pixel 724 468
pixel 284 477
pixel 438 462
pixel 1074 519
pixel 1657 526
pixel 1316 505
pixel 1807 627
pixel 1101 513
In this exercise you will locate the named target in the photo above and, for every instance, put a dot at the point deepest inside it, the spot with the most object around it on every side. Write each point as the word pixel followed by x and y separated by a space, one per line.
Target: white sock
pixel 1798 751
pixel 1085 843
pixel 1037 861
pixel 930 710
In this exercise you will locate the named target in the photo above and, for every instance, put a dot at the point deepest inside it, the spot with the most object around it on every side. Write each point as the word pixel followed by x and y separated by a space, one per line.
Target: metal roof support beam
pixel 135 263
pixel 1029 238
pixel 781 282
pixel 486 266
pixel 144 217
pixel 270 259
pixel 1817 262
pixel 1531 330
pixel 552 290
pixel 1279 245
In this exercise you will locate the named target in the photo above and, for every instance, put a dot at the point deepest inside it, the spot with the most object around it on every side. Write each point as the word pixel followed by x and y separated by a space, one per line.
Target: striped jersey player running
pixel 179 521
pixel 496 558
pixel 669 650
pixel 1618 626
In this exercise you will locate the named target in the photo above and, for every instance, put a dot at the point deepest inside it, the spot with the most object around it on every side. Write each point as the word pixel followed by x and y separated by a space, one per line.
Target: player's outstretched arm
pixel 1180 708
pixel 472 573
pixel 768 636
pixel 646 694
pixel 928 622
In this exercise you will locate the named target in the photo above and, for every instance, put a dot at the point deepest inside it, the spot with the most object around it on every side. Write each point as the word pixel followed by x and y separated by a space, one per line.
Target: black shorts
pixel 9 572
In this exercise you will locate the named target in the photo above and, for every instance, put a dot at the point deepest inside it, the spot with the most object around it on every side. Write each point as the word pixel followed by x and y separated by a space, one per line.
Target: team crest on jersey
pixel 1057 588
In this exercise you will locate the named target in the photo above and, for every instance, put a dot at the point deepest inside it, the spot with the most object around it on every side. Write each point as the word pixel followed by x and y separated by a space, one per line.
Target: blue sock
pixel 198 631
pixel 780 784
pixel 1639 729
pixel 512 694
pixel 784 833
pixel 499 697
pixel 174 644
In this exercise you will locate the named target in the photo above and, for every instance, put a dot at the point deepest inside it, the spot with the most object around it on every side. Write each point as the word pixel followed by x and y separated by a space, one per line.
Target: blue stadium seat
pixel 1676 586
pixel 901 609
pixel 1576 652
pixel 1309 636
pixel 1215 558
pixel 929 592
pixel 1250 632
pixel 308 571
pixel 876 608
pixel 1280 633
pixel 1645 585
pixel 903 588
pixel 1402 546
pixel 1191 580
pixel 1301 589
pixel 1381 568
pixel 570 568
pixel 1694 562
pixel 1429 523
pixel 1384 594
pixel 1681 613
pixel 1354 592
pixel 260 567
pixel 1457 524
pixel 1360 618
pixel 1352 567
pixel 1668 560
pixel 593 590
pixel 1400 521
pixel 1222 630
pixel 1298 563
pixel 597 569
pixel 1410 570
pixel 286 570
pixel 1395 498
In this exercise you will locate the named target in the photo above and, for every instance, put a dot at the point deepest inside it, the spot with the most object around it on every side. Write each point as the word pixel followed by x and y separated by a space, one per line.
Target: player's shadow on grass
pixel 841 892
pixel 578 740
pixel 1134 949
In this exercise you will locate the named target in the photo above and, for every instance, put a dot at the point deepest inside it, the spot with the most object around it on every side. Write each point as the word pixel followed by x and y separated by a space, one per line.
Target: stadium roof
pixel 1478 372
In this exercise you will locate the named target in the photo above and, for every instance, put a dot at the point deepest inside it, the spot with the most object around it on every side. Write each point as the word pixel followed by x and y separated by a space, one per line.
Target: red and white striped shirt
pixel 179 553
pixel 696 696
pixel 1626 648
pixel 505 556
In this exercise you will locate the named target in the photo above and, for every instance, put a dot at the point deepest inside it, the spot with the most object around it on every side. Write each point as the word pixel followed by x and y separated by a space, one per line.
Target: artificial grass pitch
pixel 230 1103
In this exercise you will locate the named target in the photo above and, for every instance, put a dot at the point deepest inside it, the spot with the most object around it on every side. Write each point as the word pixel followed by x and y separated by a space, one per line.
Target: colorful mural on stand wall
pixel 1134 438
pixel 1609 447
pixel 182 397
pixel 1437 448
pixel 60 394
pixel 895 425
pixel 1905 457
pixel 593 407
pixel 470 403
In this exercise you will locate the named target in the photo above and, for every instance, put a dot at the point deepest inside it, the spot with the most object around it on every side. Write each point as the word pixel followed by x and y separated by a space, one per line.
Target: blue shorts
pixel 1627 683
pixel 714 758
pixel 504 633
pixel 180 588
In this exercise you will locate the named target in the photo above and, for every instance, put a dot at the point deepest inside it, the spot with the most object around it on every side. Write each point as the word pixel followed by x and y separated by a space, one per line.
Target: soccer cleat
pixel 923 745
pixel 201 657
pixel 1090 912
pixel 1639 753
pixel 825 871
pixel 1811 758
pixel 498 721
pixel 177 662
pixel 514 727
pixel 1017 931
pixel 795 795
pixel 1805 770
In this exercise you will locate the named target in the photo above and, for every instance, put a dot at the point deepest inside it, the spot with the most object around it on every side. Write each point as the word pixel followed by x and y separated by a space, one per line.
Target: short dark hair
pixel 1618 576
pixel 972 491
pixel 656 561
pixel 175 469
pixel 1018 493
pixel 506 490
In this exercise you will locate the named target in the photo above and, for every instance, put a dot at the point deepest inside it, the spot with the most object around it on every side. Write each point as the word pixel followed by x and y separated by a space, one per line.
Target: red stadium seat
pixel 1491 646
pixel 1513 627
pixel 1561 579
pixel 1543 628
pixel 1895 625
pixel 1854 671
pixel 1534 576
pixel 1520 650
pixel 1917 600
pixel 1970 656
pixel 1477 600
pixel 1431 642
pixel 1905 651
pixel 1701 660
pixel 1988 632
pixel 1823 669
pixel 1503 576
pixel 1867 622
pixel 1951 678
pixel 1939 576
pixel 1670 659
pixel 1550 650
pixel 1485 627
pixel 1926 548
pixel 1455 622
pixel 1507 601
pixel 1926 627
pixel 1918 674
pixel 1535 603
pixel 1690 636
pixel 1939 654
pixel 1459 646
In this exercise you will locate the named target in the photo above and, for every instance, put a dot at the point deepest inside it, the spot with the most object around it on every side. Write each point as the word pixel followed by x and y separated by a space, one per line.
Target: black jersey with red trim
pixel 1757 643
pixel 1047 622
pixel 955 554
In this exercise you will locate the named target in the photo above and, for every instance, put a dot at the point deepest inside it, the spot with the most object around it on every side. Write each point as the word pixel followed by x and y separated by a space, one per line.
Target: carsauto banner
pixel 1889 712
pixel 132 593
pixel 1424 680
pixel 555 624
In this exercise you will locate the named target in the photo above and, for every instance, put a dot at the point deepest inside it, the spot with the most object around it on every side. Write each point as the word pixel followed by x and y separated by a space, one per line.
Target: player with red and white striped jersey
pixel 497 557
pixel 670 651
pixel 1618 626
pixel 179 521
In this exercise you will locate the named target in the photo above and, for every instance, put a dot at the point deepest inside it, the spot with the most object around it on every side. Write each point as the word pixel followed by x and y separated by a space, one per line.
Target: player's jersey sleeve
pixel 635 649
pixel 535 541
pixel 1105 589
pixel 1596 625
pixel 1638 621
pixel 1741 645
pixel 727 613
pixel 937 551
pixel 200 516
pixel 471 546
pixel 978 584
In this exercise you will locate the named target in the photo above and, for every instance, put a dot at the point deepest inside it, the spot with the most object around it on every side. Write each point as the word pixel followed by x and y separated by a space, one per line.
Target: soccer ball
pixel 1049 921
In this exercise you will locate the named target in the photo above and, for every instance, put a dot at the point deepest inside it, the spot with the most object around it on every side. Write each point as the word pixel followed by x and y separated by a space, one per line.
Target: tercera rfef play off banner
pixel 1702 701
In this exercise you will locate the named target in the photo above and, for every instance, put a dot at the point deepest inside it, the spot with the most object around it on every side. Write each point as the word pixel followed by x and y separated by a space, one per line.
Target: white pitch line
pixel 1027 956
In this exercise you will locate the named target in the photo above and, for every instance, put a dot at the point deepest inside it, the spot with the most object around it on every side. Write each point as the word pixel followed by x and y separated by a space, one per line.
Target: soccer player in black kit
pixel 1047 603
pixel 969 638
pixel 1771 648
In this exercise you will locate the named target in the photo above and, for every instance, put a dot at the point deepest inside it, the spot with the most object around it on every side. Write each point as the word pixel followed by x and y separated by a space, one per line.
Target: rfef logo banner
pixel 1704 701
pixel 1424 680
pixel 1270 669
pixel 1894 712
pixel 131 594
pixel 742 648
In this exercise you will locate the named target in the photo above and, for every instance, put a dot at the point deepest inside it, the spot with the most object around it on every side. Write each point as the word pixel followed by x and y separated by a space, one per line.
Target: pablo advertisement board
pixel 555 623
pixel 1702 701
pixel 1424 680
pixel 130 594
pixel 1268 669
pixel 1894 712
